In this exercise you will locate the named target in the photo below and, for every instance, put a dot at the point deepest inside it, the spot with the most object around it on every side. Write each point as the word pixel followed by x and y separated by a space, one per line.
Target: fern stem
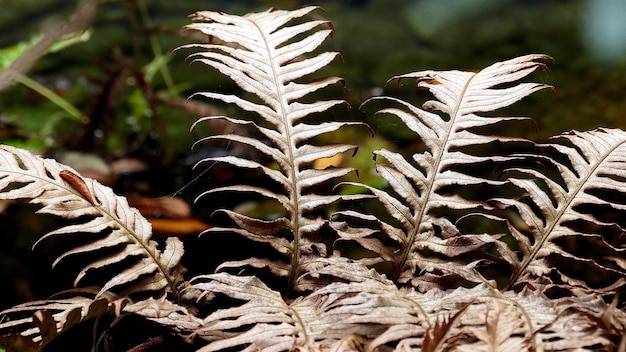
pixel 293 170
pixel 171 284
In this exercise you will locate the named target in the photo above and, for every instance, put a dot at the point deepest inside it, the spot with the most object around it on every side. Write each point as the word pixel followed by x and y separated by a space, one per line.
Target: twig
pixel 78 22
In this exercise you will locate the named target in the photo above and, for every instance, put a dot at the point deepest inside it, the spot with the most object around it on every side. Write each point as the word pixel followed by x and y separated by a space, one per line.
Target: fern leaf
pixel 269 324
pixel 576 207
pixel 499 332
pixel 465 319
pixel 423 185
pixel 108 224
pixel 333 315
pixel 269 58
pixel 31 326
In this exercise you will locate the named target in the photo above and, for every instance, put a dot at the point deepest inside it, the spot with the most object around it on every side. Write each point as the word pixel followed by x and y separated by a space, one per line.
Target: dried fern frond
pixel 111 232
pixel 335 315
pixel 462 319
pixel 30 326
pixel 582 204
pixel 424 184
pixel 499 332
pixel 380 316
pixel 264 321
pixel 269 58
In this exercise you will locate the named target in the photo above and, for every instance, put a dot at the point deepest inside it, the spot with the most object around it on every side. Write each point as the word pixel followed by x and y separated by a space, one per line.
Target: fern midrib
pixel 293 170
pixel 419 218
pixel 559 215
pixel 150 255
pixel 310 341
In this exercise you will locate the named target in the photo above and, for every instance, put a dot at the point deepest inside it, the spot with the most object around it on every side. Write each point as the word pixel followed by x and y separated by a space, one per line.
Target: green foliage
pixel 9 54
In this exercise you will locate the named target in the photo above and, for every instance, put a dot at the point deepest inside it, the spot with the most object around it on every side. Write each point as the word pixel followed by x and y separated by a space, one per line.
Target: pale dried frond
pixel 582 206
pixel 483 318
pixel 384 317
pixel 110 231
pixel 422 185
pixel 30 326
pixel 339 314
pixel 269 56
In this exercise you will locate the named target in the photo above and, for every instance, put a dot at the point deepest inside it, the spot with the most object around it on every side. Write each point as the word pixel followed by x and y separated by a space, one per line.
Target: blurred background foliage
pixel 108 95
